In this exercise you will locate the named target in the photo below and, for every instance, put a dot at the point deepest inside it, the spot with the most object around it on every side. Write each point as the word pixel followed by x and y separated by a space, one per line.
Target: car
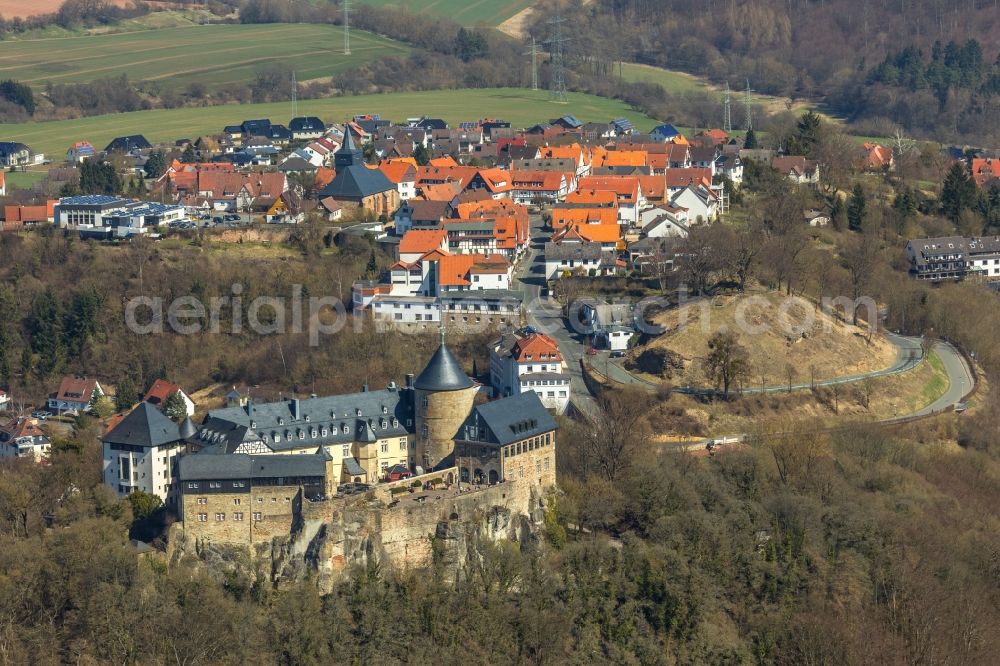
pixel 217 220
pixel 617 354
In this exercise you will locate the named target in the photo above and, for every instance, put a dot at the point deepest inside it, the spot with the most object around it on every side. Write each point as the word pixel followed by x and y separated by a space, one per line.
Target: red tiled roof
pixel 160 391
pixel 76 389
pixel 536 347
pixel 422 240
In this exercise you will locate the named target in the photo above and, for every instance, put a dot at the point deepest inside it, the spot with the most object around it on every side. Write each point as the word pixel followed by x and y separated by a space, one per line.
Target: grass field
pixel 672 82
pixel 519 106
pixel 466 12
pixel 23 179
pixel 214 55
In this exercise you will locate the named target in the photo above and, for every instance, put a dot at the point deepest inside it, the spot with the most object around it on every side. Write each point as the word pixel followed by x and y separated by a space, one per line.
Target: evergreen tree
pixel 750 140
pixel 27 363
pixel 188 156
pixel 856 209
pixel 372 268
pixel 81 321
pixel 958 192
pixel 126 394
pixel 421 155
pixel 174 407
pixel 156 164
pixel 838 213
pixel 45 325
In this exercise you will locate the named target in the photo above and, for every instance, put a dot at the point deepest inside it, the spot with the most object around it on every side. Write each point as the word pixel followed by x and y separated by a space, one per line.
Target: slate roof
pixel 225 429
pixel 443 373
pixel 205 467
pixel 144 426
pixel 508 420
pixel 354 181
pixel 352 467
pixel 574 251
pixel 126 144
pixel 306 124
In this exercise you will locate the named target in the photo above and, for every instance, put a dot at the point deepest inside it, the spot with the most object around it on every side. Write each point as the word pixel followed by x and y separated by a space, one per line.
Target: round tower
pixel 443 397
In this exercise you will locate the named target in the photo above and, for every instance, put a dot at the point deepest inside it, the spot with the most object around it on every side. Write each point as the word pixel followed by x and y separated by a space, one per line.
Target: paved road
pixel 545 314
pixel 908 355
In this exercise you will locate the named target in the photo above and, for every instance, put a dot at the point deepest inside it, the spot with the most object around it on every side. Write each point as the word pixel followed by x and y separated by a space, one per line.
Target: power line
pixel 347 27
pixel 534 64
pixel 746 104
pixel 727 120
pixel 556 42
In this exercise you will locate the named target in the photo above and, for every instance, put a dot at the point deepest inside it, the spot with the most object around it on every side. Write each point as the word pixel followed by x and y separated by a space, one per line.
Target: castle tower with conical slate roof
pixel 443 396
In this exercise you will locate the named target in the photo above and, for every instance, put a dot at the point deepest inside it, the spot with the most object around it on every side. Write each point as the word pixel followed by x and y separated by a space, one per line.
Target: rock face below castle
pixel 443 529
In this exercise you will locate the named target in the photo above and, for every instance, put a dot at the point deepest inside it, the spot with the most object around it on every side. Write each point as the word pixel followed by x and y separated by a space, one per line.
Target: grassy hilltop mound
pixel 777 333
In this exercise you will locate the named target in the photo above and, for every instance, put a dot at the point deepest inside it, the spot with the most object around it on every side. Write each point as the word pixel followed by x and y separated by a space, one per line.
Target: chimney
pixel 249 407
pixel 364 387
pixel 296 409
pixel 409 380
pixel 392 386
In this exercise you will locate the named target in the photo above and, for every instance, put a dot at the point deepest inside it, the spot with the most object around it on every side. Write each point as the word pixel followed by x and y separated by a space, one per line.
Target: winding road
pixel 545 314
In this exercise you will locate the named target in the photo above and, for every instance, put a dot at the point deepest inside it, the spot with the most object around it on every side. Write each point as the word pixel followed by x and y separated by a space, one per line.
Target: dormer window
pixel 312 433
pixel 307 418
pixel 395 423
pixel 385 410
pixel 253 424
pixel 302 434
pixel 325 432
pixel 281 421
pixel 346 430
pixel 359 412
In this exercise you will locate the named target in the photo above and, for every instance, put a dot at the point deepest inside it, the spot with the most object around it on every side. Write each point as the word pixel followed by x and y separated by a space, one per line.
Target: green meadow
pixel 521 107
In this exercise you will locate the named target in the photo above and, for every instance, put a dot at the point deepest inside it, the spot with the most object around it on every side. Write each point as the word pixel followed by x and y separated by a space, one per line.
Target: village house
pixel 161 390
pixel 797 169
pixel 402 172
pixel 612 325
pixel 22 438
pixel 876 157
pixel 530 362
pixel 628 193
pixel 128 145
pixel 420 214
pixel 74 395
pixel 80 151
pixel 304 128
pixel 985 171
pixel 13 153
pixel 545 187
pixel 573 258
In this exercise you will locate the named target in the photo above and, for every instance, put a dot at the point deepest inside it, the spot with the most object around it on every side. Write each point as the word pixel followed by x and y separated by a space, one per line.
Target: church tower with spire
pixel 443 399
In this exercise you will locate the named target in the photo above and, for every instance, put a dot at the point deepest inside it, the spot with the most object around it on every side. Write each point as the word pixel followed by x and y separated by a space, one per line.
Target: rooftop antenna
pixel 727 119
pixel 534 63
pixel 347 27
pixel 556 41
pixel 746 103
pixel 295 96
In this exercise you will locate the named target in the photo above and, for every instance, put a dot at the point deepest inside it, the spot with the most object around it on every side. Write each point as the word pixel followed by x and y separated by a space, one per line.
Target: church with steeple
pixel 359 186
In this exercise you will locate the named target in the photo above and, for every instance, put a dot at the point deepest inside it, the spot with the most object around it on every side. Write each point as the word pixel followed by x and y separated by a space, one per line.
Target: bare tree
pixel 790 373
pixel 727 360
pixel 860 257
pixel 620 429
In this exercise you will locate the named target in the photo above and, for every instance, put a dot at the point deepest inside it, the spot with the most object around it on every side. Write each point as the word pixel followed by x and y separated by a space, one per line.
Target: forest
pixel 828 50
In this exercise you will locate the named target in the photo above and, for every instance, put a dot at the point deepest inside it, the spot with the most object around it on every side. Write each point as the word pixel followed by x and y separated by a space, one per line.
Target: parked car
pixel 617 354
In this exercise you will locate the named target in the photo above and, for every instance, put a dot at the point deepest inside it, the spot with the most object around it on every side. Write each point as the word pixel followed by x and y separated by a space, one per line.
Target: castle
pixel 261 470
